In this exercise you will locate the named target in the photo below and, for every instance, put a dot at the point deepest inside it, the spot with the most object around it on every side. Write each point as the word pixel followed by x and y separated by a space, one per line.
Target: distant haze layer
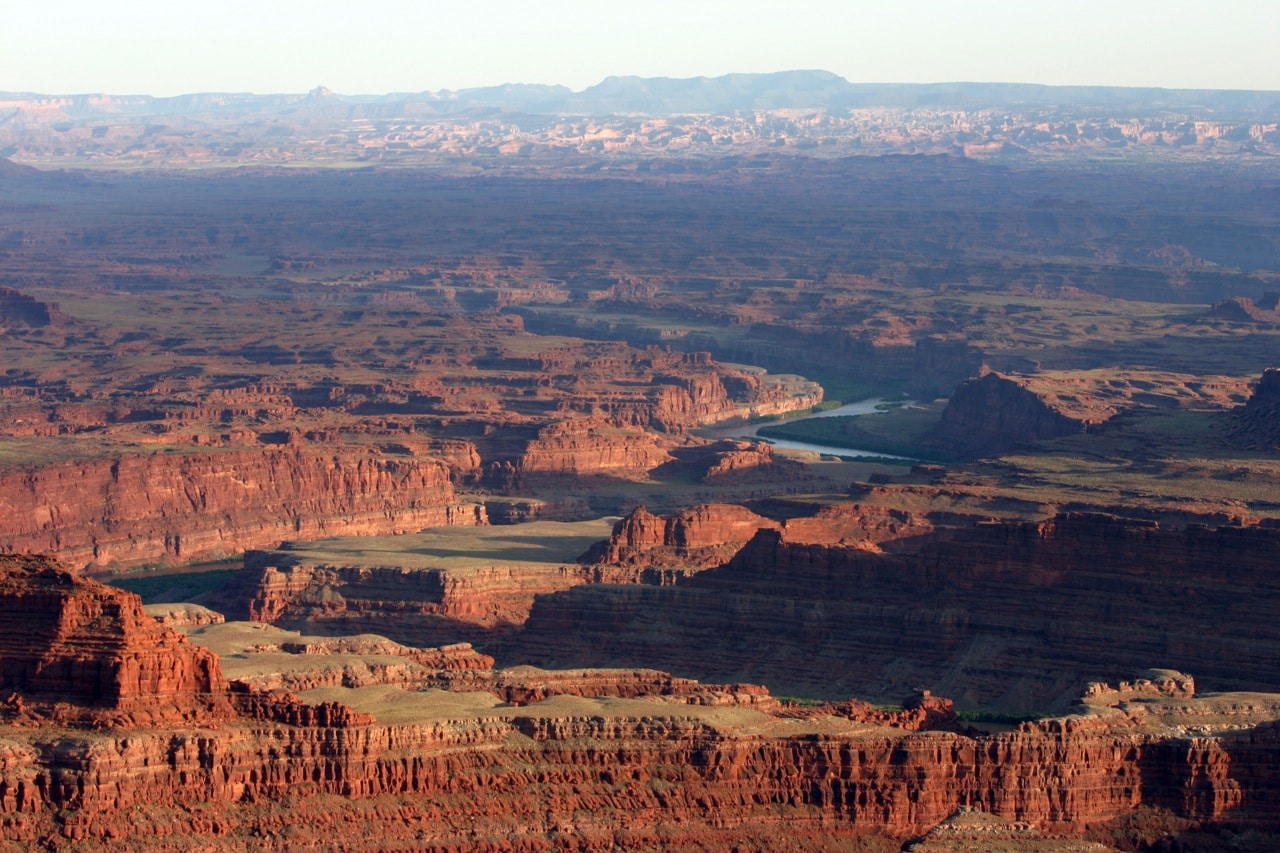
pixel 162 48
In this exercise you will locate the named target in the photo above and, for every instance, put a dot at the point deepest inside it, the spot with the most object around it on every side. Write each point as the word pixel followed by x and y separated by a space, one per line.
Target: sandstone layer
pixel 187 506
pixel 1014 615
pixel 620 774
pixel 702 536
pixel 998 412
pixel 436 586
pixel 676 766
pixel 709 535
pixel 17 308
pixel 65 640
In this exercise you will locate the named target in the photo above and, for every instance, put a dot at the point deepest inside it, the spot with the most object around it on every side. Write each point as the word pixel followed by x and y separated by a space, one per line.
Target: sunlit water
pixel 862 407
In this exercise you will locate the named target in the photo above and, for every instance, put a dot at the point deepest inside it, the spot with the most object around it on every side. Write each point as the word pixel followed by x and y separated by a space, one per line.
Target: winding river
pixel 862 407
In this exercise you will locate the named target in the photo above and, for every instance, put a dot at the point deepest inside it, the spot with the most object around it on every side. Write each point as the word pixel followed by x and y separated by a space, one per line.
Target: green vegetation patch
pixel 165 589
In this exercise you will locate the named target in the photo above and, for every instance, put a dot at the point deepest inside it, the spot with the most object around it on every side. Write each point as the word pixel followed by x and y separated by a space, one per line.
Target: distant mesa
pixel 795 89
pixel 19 309
pixel 998 412
pixel 1240 309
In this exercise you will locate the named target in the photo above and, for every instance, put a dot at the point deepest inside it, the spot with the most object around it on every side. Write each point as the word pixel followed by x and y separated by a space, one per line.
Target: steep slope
pixel 1016 615
pixel 690 768
pixel 187 506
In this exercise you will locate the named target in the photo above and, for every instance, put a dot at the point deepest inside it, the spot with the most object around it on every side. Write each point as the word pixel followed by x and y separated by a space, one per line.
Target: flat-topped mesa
pixel 995 412
pixel 77 652
pixel 188 506
pixel 436 586
pixel 703 536
pixel 741 462
pixel 586 446
pixel 1240 309
pixel 358 661
pixel 524 685
pixel 19 309
pixel 710 535
pixel 1151 684
pixel 67 639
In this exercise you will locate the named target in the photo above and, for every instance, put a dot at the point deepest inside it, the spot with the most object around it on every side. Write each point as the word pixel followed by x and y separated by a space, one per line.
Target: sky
pixel 168 47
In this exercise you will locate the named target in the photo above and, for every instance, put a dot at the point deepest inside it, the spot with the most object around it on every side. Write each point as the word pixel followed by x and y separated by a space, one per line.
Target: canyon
pixel 988 614
pixel 721 765
pixel 406 420
pixel 810 112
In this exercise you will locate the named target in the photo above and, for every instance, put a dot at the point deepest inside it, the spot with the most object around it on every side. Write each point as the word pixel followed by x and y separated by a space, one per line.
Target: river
pixel 862 407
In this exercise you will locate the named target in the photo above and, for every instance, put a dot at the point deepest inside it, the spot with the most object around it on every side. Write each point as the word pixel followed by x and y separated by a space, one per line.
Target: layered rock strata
pixel 188 506
pixel 441 585
pixel 19 309
pixel 425 606
pixel 1015 615
pixel 695 767
pixel 703 536
pixel 709 535
pixel 521 779
pixel 65 640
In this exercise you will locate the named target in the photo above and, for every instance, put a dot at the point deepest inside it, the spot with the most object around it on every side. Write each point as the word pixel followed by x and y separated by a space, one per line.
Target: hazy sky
pixel 165 47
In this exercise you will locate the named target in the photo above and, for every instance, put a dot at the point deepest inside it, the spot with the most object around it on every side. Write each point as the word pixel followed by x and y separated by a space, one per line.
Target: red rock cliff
pixel 279 773
pixel 705 535
pixel 1011 614
pixel 186 506
pixel 994 413
pixel 522 780
pixel 63 639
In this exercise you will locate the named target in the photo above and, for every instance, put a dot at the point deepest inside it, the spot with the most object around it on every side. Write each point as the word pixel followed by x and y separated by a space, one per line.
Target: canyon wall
pixel 19 309
pixel 709 535
pixel 524 780
pixel 419 606
pixel 189 506
pixel 1256 425
pixel 65 640
pixel 1013 615
pixel 702 536
pixel 681 766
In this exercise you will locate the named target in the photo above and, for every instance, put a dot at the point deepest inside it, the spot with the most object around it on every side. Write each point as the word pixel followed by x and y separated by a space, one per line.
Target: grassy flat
pixel 460 549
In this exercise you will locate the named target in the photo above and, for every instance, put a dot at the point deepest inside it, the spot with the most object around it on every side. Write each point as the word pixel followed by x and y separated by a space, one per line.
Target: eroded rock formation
pixel 185 506
pixel 702 536
pixel 583 782
pixel 1018 615
pixel 1256 425
pixel 424 606
pixel 1240 309
pixel 709 535
pixel 995 412
pixel 693 765
pixel 65 640
pixel 17 308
